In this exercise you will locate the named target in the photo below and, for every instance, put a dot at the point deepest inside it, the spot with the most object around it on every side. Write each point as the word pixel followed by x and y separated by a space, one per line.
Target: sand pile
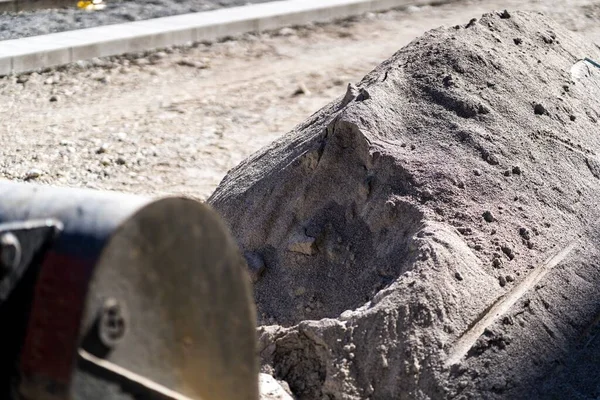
pixel 432 234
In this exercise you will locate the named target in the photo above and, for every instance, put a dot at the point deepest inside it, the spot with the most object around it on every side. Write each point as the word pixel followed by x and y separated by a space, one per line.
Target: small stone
pixel 154 58
pixel 256 265
pixel 22 79
pixel 102 149
pixel 465 230
pixel 492 159
pixel 497 263
pixel 412 147
pixel 478 247
pixel 302 90
pixel 572 118
pixel 427 195
pixel 508 251
pixel 477 172
pixel 287 31
pixel 502 281
pixel 518 41
pixel 141 61
pixel 193 64
pixel 49 81
pixel 303 244
pixel 505 15
pixel 548 39
pixel 82 64
pixel 546 304
pixel 105 161
pixel 33 174
pixel 53 98
pixel 524 233
pixel 510 278
pixel 516 170
pixel 99 62
pixel 539 109
pixel 459 67
pixel 346 315
pixel 105 79
pixel 458 276
pixel 507 172
pixel 121 161
pixel 271 389
pixel 488 216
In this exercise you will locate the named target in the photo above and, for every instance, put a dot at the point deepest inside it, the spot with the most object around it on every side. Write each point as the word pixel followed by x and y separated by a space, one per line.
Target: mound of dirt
pixel 432 233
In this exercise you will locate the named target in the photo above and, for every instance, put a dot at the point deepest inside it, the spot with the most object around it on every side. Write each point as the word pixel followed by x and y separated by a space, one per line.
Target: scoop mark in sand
pixel 466 341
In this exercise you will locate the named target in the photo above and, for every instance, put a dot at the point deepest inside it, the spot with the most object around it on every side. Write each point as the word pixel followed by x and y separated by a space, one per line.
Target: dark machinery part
pixel 110 296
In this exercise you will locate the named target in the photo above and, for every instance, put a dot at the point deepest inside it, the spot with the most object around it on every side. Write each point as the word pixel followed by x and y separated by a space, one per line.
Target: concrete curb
pixel 38 52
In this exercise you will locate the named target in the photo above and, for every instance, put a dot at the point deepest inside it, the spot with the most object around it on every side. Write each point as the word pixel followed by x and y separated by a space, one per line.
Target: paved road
pixel 17 25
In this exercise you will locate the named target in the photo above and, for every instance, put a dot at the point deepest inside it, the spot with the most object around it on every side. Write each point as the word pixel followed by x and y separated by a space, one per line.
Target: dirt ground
pixel 176 121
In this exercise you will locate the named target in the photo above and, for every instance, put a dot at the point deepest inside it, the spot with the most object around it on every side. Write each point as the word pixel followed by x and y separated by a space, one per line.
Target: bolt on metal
pixel 112 322
pixel 10 252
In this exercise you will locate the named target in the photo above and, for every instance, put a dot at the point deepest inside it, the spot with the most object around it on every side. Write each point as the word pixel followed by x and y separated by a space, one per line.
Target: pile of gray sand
pixel 432 233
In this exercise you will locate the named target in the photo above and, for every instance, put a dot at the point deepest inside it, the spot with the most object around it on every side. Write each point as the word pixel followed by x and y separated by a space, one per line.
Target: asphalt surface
pixel 24 24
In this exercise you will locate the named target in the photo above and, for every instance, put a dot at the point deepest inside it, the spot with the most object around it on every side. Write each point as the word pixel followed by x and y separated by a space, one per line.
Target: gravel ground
pixel 18 25
pixel 175 121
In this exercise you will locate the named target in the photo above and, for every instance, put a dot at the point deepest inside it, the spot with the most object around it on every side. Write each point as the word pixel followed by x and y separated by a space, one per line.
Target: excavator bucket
pixel 112 296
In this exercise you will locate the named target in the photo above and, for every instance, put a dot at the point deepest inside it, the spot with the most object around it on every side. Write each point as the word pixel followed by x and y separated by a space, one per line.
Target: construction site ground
pixel 44 21
pixel 175 121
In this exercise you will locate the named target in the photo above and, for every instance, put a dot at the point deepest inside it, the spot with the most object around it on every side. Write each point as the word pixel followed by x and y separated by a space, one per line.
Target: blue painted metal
pixel 88 217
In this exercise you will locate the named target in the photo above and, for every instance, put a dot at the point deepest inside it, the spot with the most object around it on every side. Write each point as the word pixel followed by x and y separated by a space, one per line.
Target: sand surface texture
pixel 433 232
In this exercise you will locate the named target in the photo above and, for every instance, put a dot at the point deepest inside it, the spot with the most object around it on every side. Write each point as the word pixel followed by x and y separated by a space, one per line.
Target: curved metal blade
pixel 188 317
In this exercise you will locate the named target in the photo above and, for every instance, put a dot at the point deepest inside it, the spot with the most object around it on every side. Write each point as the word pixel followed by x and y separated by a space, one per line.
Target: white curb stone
pixel 33 53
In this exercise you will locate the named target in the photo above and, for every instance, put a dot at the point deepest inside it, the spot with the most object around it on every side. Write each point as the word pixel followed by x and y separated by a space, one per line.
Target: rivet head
pixel 10 252
pixel 112 322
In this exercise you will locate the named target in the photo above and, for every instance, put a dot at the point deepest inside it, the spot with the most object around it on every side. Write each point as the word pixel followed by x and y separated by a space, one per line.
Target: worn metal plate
pixel 190 322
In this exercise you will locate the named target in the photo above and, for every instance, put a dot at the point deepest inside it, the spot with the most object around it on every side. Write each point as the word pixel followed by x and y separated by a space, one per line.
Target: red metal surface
pixel 50 347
